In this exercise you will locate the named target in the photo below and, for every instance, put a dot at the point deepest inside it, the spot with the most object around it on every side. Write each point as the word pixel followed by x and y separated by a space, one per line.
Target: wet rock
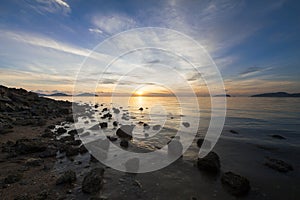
pixel 107 115
pixel 146 126
pixel 82 149
pixel 112 138
pixel 235 184
pixel 51 127
pixel 233 132
pixel 71 151
pixel 278 165
pixel 132 165
pixel 210 163
pixel 93 181
pixel 61 130
pixel 12 178
pixel 67 138
pixel 34 162
pixel 115 123
pixel 124 143
pixel 141 109
pixel 186 124
pixel 104 109
pixel 95 127
pixel 201 141
pixel 67 178
pixel 116 110
pixel 75 142
pixel 125 131
pixel 26 146
pixel 103 125
pixel 156 127
pixel 73 132
pixel 278 137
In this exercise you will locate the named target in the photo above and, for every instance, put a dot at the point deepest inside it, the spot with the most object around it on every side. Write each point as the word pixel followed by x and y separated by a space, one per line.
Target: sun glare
pixel 139 93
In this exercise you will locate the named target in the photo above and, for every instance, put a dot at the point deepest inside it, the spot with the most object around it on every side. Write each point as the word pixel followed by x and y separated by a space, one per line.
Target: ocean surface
pixel 255 118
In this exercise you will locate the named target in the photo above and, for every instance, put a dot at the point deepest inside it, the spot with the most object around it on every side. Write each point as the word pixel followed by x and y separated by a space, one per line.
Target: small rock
pixel 235 184
pixel 175 148
pixel 61 130
pixel 186 124
pixel 201 141
pixel 125 131
pixel 93 181
pixel 115 123
pixel 34 162
pixel 146 126
pixel 156 127
pixel 112 138
pixel 278 137
pixel 141 109
pixel 103 125
pixel 12 178
pixel 278 165
pixel 71 151
pixel 48 153
pixel 233 132
pixel 85 134
pixel 124 143
pixel 95 127
pixel 82 149
pixel 68 177
pixel 210 163
pixel 132 165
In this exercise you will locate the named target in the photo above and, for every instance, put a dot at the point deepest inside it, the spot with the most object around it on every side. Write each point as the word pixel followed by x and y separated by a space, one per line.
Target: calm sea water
pixel 254 118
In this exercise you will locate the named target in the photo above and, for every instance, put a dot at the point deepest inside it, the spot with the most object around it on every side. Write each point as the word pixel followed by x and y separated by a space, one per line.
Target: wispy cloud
pixel 254 70
pixel 49 6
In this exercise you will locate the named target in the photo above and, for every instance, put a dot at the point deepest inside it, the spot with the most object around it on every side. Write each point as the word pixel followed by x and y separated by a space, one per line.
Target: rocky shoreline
pixel 42 157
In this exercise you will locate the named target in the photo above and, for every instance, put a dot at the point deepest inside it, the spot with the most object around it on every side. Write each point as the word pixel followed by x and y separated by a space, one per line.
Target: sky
pixel 254 44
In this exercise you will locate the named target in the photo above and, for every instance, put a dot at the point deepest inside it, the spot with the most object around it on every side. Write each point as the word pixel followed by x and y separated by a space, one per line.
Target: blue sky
pixel 255 44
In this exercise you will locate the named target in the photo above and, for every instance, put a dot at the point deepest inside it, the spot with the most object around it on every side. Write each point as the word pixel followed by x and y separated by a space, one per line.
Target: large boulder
pixel 210 163
pixel 93 181
pixel 235 184
pixel 125 131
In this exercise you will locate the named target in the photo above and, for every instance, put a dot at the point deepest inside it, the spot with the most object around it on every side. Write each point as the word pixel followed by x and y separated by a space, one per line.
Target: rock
pixel 103 125
pixel 82 149
pixel 68 177
pixel 186 124
pixel 12 178
pixel 278 165
pixel 61 130
pixel 116 110
pixel 85 134
pixel 34 162
pixel 73 132
pixel 49 152
pixel 278 137
pixel 146 126
pixel 156 127
pixel 233 132
pixel 132 165
pixel 124 143
pixel 112 138
pixel 201 141
pixel 47 134
pixel 210 163
pixel 175 149
pixel 115 123
pixel 104 109
pixel 67 138
pixel 71 151
pixel 51 127
pixel 93 181
pixel 95 127
pixel 125 131
pixel 235 184
pixel 141 109
pixel 26 146
pixel 75 142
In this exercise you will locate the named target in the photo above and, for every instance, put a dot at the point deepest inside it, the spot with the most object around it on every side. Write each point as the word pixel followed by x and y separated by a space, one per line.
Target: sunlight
pixel 139 92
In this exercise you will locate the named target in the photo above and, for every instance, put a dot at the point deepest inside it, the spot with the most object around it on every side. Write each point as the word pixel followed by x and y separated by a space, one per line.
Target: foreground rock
pixel 125 131
pixel 93 181
pixel 210 163
pixel 278 165
pixel 235 184
pixel 68 177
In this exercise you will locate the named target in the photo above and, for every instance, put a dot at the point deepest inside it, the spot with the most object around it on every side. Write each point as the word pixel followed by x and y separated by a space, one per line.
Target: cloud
pixel 50 6
pixel 254 70
pixel 95 30
pixel 113 24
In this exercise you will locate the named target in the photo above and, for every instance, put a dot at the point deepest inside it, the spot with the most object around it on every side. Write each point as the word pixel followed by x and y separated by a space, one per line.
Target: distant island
pixel 222 95
pixel 60 94
pixel 277 94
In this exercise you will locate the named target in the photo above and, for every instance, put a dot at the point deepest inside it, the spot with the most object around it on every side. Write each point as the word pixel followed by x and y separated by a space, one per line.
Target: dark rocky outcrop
pixel 210 163
pixel 93 181
pixel 235 184
pixel 68 177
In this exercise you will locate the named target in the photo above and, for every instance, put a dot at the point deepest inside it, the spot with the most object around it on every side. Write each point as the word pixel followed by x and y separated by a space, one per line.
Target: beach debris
pixel 278 165
pixel 67 177
pixel 186 124
pixel 125 131
pixel 233 132
pixel 93 181
pixel 278 137
pixel 210 163
pixel 124 143
pixel 235 184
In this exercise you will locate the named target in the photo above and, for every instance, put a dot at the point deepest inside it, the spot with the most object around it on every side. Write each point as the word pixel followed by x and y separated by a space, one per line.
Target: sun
pixel 139 93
